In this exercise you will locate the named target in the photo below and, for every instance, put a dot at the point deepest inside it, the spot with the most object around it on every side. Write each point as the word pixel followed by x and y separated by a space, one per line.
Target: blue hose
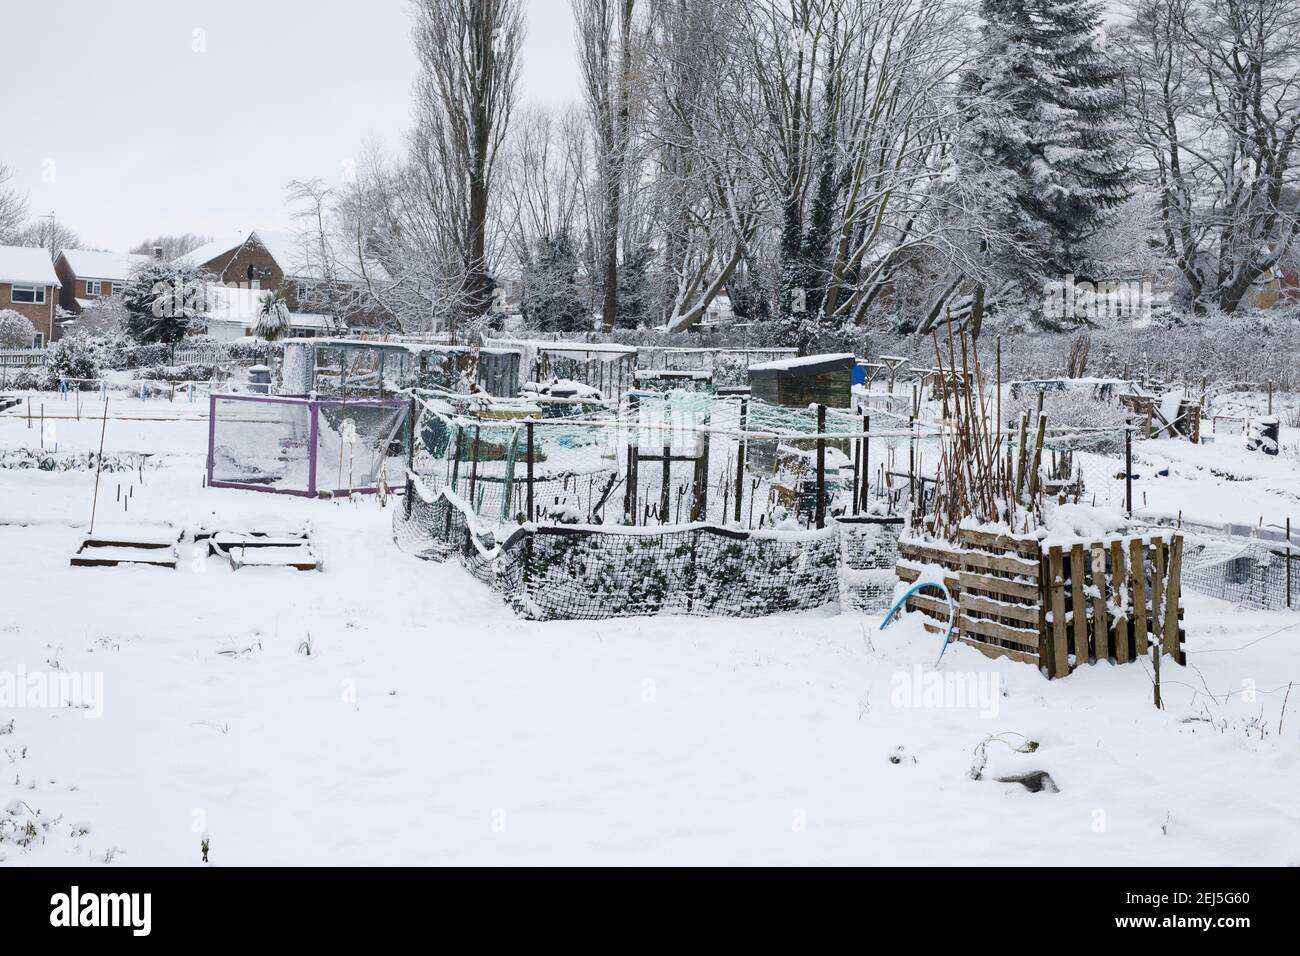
pixel 903 600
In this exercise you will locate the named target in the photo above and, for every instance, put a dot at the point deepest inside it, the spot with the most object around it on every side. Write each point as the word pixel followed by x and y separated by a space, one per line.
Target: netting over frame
pixel 304 446
pixel 563 572
pixel 260 442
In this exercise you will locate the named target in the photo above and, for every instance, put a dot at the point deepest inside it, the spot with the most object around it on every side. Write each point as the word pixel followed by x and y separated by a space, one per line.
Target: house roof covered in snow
pixel 294 253
pixel 210 250
pixel 27 265
pixel 90 264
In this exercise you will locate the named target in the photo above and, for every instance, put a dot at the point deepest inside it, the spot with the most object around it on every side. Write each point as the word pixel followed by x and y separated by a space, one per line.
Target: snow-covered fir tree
pixel 1042 138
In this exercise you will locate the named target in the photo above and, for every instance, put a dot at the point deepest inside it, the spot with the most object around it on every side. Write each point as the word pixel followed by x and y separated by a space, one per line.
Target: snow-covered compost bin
pixel 552 571
pixel 1058 603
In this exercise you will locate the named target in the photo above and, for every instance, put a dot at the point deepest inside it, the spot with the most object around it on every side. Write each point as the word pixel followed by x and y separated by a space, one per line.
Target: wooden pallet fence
pixel 1059 606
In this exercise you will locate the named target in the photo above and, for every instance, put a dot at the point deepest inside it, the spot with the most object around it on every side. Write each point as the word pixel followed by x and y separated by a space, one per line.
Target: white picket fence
pixel 22 358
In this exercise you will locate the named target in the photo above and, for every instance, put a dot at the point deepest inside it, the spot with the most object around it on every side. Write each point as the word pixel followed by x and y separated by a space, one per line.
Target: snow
pixel 390 710
pixel 781 365
pixel 25 264
pixel 92 264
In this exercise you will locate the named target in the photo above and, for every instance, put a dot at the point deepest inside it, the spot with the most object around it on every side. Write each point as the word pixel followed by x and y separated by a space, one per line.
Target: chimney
pixel 157 253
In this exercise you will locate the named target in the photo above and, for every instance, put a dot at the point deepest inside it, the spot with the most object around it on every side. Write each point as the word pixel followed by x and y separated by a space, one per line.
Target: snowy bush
pixel 24 380
pixel 73 357
pixel 16 331
pixel 1071 407
pixel 178 373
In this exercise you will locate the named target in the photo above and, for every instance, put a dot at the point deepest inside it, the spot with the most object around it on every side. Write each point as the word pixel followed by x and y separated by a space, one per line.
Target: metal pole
pixel 821 467
pixel 1288 562
pixel 740 455
pixel 473 468
pixel 1128 470
pixel 528 427
pixel 866 460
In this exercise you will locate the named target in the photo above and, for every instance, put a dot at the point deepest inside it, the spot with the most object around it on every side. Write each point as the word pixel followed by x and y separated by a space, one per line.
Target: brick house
pixel 283 261
pixel 89 277
pixel 30 287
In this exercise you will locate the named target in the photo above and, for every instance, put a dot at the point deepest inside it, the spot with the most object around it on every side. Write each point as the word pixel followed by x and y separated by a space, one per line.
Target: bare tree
pixel 606 35
pixel 469 68
pixel 46 232
pixel 706 206
pixel 1214 90
pixel 173 247
pixel 13 208
pixel 849 102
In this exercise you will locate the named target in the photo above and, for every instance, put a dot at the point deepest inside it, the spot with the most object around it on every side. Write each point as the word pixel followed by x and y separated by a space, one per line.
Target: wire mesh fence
pixel 305 447
pixel 573 572
pixel 1247 572
pixel 658 459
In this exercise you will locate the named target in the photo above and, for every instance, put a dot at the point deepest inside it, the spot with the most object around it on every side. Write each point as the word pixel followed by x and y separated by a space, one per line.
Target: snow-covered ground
pixel 429 725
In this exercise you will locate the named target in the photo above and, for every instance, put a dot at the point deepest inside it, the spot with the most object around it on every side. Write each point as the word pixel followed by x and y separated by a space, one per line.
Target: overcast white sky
pixel 118 125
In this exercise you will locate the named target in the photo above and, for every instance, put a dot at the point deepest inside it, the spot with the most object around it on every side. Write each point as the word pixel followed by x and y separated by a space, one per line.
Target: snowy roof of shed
pixel 807 363
pixel 27 264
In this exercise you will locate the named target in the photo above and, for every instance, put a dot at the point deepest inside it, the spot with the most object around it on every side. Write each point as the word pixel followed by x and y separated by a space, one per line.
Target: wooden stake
pixel 99 465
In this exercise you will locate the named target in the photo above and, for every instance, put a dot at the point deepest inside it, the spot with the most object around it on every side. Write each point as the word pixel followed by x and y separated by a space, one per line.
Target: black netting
pixel 565 572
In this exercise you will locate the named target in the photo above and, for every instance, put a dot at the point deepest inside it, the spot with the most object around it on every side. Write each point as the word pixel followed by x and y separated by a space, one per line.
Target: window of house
pixel 94 287
pixel 27 294
pixel 39 341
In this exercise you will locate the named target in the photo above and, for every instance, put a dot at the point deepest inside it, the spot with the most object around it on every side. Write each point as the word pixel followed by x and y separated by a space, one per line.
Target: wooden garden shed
pixel 800 382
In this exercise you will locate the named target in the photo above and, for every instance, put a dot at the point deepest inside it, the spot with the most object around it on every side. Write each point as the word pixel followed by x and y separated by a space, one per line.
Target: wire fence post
pixel 866 461
pixel 1128 470
pixel 740 455
pixel 821 466
pixel 700 500
pixel 857 474
pixel 528 464
pixel 1288 562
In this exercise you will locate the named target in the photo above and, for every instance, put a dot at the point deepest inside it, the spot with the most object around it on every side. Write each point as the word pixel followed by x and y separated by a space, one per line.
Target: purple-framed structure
pixel 313 407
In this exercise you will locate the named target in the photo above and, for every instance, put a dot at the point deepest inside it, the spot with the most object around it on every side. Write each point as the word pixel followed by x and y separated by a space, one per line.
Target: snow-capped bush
pixel 73 357
pixel 178 373
pixel 1066 408
pixel 16 330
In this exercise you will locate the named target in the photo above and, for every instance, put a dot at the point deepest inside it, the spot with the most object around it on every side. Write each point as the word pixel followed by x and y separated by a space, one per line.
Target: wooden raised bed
pixel 1057 607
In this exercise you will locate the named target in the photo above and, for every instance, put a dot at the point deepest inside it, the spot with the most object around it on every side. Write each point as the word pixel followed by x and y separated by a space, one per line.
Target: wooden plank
pixel 1004 586
pixel 1138 584
pixel 912 575
pixel 1119 588
pixel 999 562
pixel 929 605
pixel 928 554
pixel 1021 636
pixel 982 605
pixel 1060 663
pixel 1173 593
pixel 1100 620
pixel 994 651
pixel 1028 547
pixel 1079 605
